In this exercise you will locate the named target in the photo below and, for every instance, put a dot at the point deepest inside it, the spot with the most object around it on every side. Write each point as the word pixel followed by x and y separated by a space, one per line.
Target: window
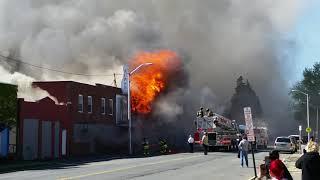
pixel 80 103
pixel 103 105
pixel 89 104
pixel 110 106
pixel 287 140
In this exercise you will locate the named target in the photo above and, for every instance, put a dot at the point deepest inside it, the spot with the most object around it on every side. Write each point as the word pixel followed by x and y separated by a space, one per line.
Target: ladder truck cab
pixel 222 132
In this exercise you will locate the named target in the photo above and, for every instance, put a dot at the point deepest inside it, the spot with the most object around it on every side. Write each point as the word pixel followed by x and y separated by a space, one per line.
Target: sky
pixel 306 35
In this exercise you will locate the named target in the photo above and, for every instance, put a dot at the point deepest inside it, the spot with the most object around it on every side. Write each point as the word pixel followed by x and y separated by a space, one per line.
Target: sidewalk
pixel 18 165
pixel 22 165
pixel 290 160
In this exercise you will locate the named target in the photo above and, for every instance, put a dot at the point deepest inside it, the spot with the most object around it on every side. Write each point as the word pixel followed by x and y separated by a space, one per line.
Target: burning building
pixel 218 40
pixel 150 86
pixel 83 119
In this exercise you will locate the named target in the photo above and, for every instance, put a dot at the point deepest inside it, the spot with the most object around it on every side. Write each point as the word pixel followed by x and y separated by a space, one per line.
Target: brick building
pixel 77 119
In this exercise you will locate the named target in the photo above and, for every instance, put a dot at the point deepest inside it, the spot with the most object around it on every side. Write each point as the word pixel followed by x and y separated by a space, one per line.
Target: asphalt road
pixel 216 165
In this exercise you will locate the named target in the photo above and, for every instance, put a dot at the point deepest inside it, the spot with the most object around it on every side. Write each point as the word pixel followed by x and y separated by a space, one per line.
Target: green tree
pixel 8 105
pixel 310 84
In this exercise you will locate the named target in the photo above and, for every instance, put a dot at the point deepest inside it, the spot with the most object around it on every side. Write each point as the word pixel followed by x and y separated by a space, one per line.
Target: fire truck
pixel 222 132
pixel 261 136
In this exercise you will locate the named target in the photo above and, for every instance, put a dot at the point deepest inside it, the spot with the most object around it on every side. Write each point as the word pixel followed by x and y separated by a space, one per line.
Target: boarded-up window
pixel 89 104
pixel 110 107
pixel 121 110
pixel 80 103
pixel 103 105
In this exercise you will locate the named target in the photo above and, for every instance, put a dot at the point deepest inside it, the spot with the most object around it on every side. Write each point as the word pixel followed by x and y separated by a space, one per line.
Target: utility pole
pixel 300 139
pixel 317 128
pixel 308 120
pixel 128 75
pixel 129 116
pixel 114 80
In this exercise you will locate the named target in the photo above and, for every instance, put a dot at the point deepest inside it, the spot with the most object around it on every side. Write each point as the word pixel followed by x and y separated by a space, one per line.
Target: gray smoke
pixel 221 40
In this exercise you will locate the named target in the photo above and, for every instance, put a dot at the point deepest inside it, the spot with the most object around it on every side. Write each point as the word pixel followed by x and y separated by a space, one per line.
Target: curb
pixel 252 178
pixel 12 168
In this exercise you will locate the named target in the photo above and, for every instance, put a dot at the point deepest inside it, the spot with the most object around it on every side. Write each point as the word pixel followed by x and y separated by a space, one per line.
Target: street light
pixel 129 104
pixel 307 109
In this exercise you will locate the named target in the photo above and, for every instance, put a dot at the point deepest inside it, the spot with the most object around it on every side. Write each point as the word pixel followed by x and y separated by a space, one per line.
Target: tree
pixel 310 84
pixel 8 105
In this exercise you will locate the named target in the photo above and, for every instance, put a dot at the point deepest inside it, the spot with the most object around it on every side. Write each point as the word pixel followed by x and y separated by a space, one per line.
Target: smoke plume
pixel 217 40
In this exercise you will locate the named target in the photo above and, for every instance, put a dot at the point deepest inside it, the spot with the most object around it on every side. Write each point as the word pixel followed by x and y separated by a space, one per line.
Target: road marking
pixel 126 168
pixel 252 178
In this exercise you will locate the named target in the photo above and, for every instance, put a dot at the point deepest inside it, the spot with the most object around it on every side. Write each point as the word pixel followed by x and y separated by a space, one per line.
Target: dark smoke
pixel 221 40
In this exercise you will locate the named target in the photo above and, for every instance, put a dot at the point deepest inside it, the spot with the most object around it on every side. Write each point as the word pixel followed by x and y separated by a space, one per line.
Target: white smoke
pixel 25 89
pixel 170 106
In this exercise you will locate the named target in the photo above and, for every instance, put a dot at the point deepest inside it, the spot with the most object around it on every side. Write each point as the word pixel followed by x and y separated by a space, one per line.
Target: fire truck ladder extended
pixel 205 123
pixel 215 121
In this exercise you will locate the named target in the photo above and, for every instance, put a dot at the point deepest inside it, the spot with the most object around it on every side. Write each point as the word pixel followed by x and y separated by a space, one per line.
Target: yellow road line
pixel 126 168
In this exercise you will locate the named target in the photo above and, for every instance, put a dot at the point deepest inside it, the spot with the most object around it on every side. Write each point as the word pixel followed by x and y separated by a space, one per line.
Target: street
pixel 216 165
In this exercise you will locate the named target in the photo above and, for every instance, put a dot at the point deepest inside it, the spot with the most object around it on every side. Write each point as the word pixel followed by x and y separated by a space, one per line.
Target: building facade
pixel 76 119
pixel 8 119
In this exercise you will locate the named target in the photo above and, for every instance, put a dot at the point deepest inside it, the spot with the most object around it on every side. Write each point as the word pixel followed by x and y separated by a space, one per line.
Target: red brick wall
pixel 97 92
pixel 54 88
pixel 67 92
pixel 44 110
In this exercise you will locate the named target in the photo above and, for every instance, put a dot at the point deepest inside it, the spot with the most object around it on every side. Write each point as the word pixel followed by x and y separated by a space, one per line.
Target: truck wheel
pixel 210 148
pixel 213 149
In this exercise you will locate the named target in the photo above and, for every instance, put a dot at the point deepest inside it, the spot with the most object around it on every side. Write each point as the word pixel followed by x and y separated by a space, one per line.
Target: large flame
pixel 149 81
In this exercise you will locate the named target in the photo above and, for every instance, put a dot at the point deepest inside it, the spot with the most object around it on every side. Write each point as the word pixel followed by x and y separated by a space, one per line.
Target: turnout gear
pixel 205 143
pixel 163 146
pixel 145 145
pixel 200 112
pixel 209 113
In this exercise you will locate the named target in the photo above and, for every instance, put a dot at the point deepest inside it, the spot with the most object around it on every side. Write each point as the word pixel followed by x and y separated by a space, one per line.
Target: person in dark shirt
pixel 278 165
pixel 310 162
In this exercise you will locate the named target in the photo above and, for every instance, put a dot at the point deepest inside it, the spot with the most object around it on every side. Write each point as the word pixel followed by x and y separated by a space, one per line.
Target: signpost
pixel 300 129
pixel 250 133
pixel 308 129
pixel 125 79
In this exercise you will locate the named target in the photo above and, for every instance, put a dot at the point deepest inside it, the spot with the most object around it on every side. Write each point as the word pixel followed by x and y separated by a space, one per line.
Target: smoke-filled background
pixel 217 41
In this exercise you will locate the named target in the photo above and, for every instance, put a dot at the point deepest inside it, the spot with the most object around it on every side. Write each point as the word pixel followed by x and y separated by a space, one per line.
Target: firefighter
pixel 145 145
pixel 205 143
pixel 163 146
pixel 209 113
pixel 200 112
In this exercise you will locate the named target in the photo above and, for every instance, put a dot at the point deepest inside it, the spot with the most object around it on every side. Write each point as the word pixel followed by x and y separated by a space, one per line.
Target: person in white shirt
pixel 244 148
pixel 191 141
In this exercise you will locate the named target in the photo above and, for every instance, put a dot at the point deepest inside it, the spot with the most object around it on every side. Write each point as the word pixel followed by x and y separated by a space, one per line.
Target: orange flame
pixel 150 81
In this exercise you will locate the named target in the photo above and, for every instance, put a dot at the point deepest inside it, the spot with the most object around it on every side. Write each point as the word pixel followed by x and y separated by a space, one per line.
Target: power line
pixel 50 69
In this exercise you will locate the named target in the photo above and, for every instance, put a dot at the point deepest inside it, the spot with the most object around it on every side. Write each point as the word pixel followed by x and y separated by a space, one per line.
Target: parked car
pixel 295 140
pixel 284 144
pixel 297 137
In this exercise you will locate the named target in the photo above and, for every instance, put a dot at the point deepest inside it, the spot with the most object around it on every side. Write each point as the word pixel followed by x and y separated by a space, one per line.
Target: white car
pixel 284 144
pixel 296 137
